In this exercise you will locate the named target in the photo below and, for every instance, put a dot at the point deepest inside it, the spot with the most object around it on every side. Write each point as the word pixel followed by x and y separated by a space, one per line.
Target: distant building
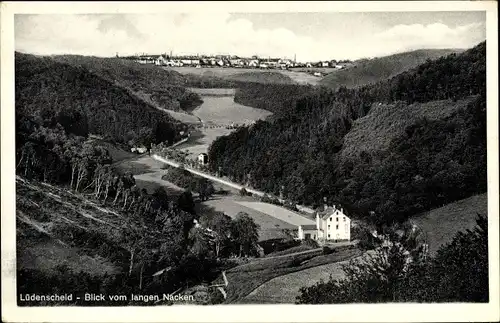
pixel 253 63
pixel 325 64
pixel 203 159
pixel 331 225
pixel 139 150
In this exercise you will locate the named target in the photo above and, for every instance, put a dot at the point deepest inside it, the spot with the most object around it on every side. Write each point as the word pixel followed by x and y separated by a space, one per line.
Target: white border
pixel 242 313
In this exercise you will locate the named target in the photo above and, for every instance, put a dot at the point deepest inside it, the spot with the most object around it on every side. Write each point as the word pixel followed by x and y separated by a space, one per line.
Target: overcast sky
pixel 310 36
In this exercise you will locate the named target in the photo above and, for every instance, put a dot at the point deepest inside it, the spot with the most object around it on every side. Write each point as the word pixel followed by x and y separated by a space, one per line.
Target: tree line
pixel 299 148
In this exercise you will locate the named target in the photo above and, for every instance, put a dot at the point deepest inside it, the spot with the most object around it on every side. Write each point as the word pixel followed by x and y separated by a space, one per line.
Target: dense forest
pixel 83 103
pixel 433 163
pixel 159 87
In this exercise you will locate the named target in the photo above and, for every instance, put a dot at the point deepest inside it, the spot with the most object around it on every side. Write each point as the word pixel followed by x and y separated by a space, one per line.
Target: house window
pixel 337 219
pixel 337 227
pixel 328 226
pixel 328 235
pixel 344 218
pixel 330 218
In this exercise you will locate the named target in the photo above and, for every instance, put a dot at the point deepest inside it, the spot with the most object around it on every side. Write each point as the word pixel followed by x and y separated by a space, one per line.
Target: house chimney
pixel 325 205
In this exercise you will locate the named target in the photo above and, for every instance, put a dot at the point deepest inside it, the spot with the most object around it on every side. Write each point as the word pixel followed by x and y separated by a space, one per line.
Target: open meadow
pixel 278 212
pixel 270 227
pixel 217 111
pixel 299 75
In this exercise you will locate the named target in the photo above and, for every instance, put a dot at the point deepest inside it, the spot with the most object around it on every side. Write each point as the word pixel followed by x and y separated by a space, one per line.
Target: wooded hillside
pixel 49 92
pixel 432 163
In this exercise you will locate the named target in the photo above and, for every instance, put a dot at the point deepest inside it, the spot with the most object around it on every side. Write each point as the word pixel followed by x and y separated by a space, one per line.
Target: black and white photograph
pixel 235 156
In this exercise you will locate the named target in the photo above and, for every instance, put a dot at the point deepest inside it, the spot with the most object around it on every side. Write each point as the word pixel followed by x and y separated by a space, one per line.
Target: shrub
pixel 327 250
pixel 310 243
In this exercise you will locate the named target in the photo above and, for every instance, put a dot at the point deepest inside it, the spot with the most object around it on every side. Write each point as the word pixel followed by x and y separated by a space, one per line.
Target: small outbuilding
pixel 203 159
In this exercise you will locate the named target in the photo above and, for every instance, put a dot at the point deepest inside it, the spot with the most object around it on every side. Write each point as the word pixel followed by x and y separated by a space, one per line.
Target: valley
pixel 401 154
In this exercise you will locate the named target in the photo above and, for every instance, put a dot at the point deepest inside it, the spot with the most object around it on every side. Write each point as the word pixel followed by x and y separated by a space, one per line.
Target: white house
pixel 203 159
pixel 331 224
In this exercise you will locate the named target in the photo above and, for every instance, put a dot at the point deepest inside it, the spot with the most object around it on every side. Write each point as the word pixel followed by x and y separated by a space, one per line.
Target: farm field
pixel 300 76
pixel 285 288
pixel 224 111
pixel 216 112
pixel 270 227
pixel 199 142
pixel 278 212
pixel 246 278
pixel 213 92
pixel 442 224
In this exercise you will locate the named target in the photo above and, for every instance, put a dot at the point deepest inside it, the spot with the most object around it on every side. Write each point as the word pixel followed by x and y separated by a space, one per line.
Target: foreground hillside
pixel 377 69
pixel 436 156
pixel 442 224
pixel 159 87
pixel 83 103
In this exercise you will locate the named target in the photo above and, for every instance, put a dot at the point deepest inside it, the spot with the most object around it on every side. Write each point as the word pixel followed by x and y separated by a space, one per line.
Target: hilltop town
pixel 234 61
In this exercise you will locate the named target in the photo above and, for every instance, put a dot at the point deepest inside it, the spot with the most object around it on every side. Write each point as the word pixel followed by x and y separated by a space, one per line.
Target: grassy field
pixel 285 288
pixel 213 92
pixel 199 142
pixel 270 227
pixel 375 131
pixel 224 111
pixel 442 224
pixel 278 212
pixel 218 111
pixel 301 76
pixel 244 279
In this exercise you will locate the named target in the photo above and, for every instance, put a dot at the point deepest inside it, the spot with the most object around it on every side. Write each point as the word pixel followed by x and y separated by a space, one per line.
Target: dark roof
pixel 329 211
pixel 308 227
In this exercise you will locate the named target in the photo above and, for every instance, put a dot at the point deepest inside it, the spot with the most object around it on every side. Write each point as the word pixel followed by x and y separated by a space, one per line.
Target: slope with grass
pixel 53 226
pixel 442 224
pixel 377 69
pixel 246 278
